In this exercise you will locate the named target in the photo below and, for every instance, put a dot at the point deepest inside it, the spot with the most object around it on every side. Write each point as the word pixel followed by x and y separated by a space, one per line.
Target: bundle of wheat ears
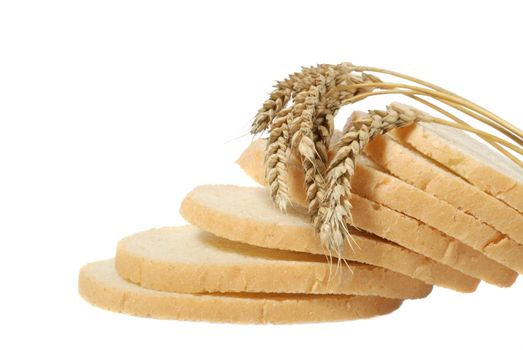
pixel 405 199
pixel 299 116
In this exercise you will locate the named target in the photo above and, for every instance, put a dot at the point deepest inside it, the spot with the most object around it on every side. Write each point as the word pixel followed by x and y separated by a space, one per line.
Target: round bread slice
pixel 395 210
pixel 100 285
pixel 246 214
pixel 189 260
pixel 474 161
pixel 428 175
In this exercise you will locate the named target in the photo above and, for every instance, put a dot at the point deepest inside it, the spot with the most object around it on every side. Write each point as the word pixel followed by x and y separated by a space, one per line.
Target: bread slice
pixel 374 215
pixel 101 286
pixel 246 214
pixel 422 172
pixel 188 260
pixel 451 225
pixel 470 159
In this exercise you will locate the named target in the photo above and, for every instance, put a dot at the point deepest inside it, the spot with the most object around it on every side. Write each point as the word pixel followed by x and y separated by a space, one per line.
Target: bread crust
pixel 101 286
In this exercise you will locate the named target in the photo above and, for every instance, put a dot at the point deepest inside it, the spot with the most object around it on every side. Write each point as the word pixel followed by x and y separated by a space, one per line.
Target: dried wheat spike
pixel 277 100
pixel 326 111
pixel 336 207
pixel 276 159
pixel 323 129
pixel 306 94
pixel 306 136
pixel 272 116
pixel 331 104
pixel 302 139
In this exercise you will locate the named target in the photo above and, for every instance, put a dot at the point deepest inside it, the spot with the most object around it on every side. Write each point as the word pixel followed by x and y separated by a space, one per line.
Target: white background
pixel 111 111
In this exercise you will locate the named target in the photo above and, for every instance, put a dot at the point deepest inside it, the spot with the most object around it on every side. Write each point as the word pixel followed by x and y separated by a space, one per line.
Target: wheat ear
pixel 307 88
pixel 324 123
pixel 302 140
pixel 336 207
pixel 276 159
pixel 332 102
pixel 274 117
pixel 277 100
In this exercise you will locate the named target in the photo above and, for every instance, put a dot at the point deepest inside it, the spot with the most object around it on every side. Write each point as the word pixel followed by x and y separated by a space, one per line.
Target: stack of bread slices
pixel 431 206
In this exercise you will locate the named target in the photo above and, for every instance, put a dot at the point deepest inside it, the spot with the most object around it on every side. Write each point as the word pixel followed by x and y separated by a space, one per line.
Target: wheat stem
pixel 411 93
pixel 491 139
pixel 487 137
pixel 445 96
pixel 427 84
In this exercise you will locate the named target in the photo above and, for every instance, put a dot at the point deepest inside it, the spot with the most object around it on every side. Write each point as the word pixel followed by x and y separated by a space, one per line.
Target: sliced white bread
pixel 188 260
pixel 472 160
pixel 246 214
pixel 101 286
pixel 498 254
pixel 380 202
pixel 429 176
